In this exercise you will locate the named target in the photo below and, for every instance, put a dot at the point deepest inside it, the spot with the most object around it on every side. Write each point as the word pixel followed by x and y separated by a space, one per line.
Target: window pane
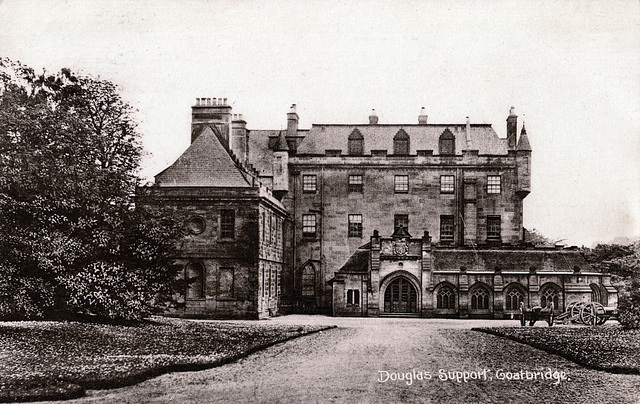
pixel 493 227
pixel 446 228
pixel 401 183
pixel 355 183
pixel 309 225
pixel 309 183
pixel 493 184
pixel 400 220
pixel 227 223
pixel 447 184
pixel 225 283
pixel 355 225
pixel 308 281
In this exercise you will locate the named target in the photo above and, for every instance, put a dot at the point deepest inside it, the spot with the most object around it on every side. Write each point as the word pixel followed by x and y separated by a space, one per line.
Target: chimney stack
pixel 512 129
pixel 292 121
pixel 373 118
pixel 213 113
pixel 422 118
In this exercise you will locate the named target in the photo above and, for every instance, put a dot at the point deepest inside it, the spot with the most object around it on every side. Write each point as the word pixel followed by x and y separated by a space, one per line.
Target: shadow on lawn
pixel 65 389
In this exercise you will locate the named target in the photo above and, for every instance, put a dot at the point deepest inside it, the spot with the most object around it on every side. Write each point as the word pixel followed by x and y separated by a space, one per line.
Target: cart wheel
pixel 576 308
pixel 550 319
pixel 591 312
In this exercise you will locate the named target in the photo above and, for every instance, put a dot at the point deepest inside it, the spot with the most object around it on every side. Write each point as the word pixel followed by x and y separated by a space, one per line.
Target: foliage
pixel 629 304
pixel 76 356
pixel 69 155
pixel 615 258
pixel 536 238
pixel 607 347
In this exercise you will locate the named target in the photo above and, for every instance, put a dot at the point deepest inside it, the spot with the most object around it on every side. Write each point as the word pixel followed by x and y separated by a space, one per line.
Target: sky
pixel 570 68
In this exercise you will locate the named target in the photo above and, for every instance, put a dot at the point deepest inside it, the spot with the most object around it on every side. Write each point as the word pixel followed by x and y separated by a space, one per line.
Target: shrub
pixel 629 305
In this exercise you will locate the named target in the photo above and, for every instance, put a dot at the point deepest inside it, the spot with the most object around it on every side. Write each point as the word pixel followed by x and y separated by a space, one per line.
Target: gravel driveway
pixel 387 360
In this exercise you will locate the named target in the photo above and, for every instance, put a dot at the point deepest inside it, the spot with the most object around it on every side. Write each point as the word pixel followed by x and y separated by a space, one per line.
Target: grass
pixel 60 360
pixel 610 348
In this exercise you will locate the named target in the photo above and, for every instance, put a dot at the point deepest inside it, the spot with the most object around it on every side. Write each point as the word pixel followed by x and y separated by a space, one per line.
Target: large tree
pixel 71 238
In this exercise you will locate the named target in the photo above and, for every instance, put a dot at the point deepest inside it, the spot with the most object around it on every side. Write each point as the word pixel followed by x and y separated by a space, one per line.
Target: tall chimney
pixel 292 121
pixel 373 118
pixel 422 118
pixel 512 128
pixel 207 112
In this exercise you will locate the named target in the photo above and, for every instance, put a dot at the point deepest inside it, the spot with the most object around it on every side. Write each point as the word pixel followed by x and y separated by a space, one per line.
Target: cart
pixel 533 314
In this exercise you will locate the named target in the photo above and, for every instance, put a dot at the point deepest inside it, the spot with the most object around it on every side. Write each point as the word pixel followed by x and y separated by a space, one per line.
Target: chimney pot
pixel 422 118
pixel 224 101
pixel 373 118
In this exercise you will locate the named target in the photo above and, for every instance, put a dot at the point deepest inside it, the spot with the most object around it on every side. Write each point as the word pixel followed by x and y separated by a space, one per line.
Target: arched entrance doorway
pixel 400 297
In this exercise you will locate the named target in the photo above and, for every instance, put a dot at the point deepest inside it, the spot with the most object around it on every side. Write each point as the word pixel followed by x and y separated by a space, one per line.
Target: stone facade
pixel 306 203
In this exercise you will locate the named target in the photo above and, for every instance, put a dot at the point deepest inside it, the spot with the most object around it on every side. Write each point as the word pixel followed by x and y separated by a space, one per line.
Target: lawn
pixel 57 360
pixel 610 347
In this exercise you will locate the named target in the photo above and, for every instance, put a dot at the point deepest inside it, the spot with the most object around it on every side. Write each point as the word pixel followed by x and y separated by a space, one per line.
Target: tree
pixel 71 238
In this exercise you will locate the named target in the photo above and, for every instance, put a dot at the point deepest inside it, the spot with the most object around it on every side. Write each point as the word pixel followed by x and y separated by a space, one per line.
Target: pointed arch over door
pixel 400 296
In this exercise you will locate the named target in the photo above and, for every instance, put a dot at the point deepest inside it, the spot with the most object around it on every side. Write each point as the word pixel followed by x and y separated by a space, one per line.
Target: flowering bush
pixel 109 290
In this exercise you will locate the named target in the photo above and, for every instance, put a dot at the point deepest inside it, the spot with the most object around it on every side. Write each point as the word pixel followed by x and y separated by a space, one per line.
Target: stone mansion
pixel 365 219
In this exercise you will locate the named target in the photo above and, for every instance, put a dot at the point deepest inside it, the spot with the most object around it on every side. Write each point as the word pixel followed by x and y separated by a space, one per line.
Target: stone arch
pixel 514 293
pixel 401 143
pixel 194 274
pixel 445 296
pixel 400 292
pixel 598 294
pixel 480 298
pixel 551 292
pixel 308 280
pixel 356 143
pixel 447 143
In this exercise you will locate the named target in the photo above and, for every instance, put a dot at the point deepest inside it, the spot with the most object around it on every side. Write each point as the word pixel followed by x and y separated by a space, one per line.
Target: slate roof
pixel 358 262
pixel 523 143
pixel 205 163
pixel 482 137
pixel 510 260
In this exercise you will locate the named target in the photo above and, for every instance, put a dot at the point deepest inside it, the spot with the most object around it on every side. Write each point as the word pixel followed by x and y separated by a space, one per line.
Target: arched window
pixel 480 299
pixel 308 280
pixel 401 143
pixel 356 143
pixel 512 297
pixel 446 298
pixel 195 278
pixel 447 142
pixel 549 294
pixel 596 296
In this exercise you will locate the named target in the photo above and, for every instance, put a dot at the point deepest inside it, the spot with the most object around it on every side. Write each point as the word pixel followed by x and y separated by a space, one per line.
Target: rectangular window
pixel 355 183
pixel 446 228
pixel 309 183
pixel 355 225
pixel 493 227
pixel 401 184
pixel 225 283
pixel 493 184
pixel 227 223
pixel 353 297
pixel 309 225
pixel 400 220
pixel 447 184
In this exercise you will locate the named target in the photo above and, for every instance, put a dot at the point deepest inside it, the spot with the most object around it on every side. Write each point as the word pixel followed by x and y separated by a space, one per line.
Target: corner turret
pixel 523 163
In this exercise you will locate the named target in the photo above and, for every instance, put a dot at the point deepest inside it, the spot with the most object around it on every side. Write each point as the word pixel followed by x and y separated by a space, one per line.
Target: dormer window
pixel 356 143
pixel 401 143
pixel 447 142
